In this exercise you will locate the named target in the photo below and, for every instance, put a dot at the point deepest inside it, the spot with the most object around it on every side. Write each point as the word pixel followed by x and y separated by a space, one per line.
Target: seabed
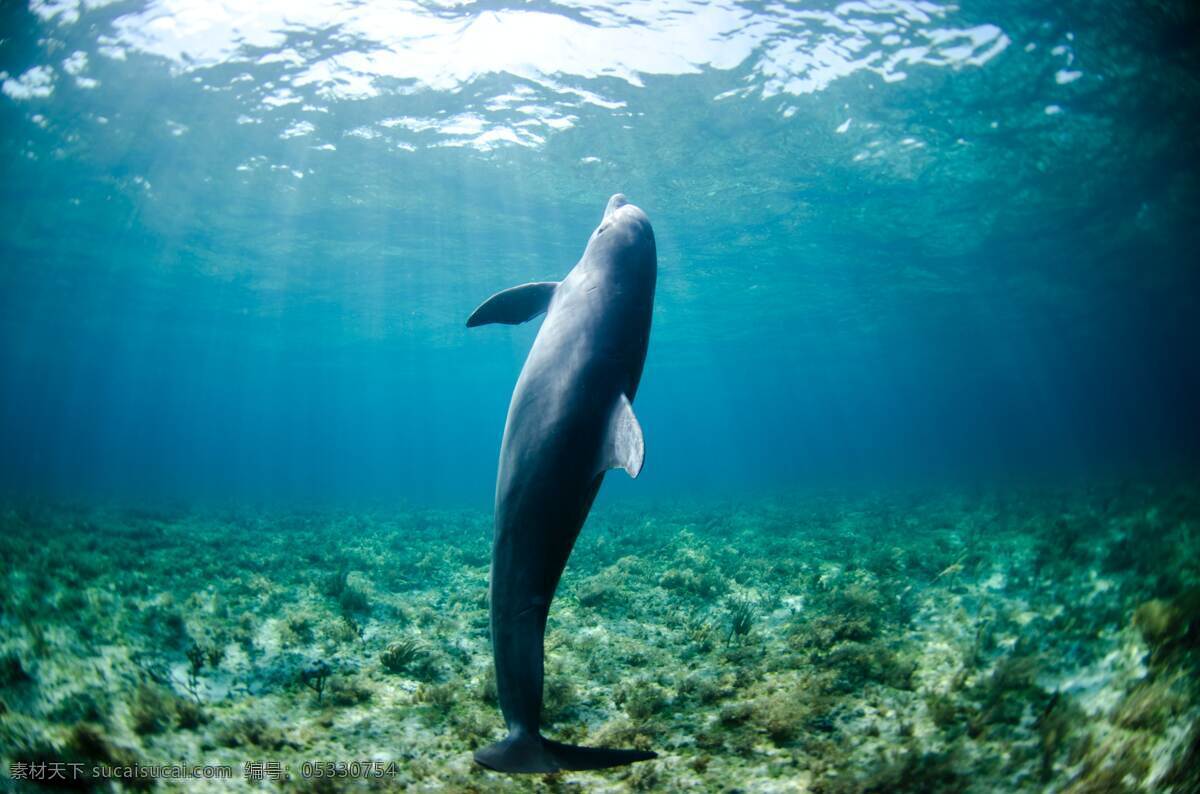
pixel 1018 640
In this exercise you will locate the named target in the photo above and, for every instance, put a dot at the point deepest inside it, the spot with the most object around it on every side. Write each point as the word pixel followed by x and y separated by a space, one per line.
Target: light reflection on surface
pixel 560 57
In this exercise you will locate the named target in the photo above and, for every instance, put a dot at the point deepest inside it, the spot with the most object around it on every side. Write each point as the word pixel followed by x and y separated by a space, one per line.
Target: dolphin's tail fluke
pixel 526 753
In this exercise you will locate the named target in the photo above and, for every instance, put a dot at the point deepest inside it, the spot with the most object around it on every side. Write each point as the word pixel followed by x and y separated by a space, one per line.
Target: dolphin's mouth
pixel 615 203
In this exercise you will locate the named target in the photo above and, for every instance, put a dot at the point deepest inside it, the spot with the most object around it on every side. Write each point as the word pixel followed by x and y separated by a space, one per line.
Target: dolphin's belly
pixel 548 474
pixel 566 390
pixel 556 424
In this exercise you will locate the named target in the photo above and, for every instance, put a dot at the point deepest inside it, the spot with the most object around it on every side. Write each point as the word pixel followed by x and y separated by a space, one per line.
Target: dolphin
pixel 570 420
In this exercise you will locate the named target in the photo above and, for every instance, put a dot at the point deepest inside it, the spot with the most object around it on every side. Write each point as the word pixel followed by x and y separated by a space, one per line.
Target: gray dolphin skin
pixel 570 421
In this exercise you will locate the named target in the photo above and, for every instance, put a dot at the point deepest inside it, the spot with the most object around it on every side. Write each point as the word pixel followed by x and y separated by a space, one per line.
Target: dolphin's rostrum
pixel 570 420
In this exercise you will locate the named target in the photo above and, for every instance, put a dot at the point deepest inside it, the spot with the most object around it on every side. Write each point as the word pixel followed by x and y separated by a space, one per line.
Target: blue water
pixel 898 242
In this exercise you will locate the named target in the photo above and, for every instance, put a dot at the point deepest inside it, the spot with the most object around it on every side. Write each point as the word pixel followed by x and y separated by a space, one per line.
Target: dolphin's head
pixel 624 236
pixel 615 203
pixel 621 214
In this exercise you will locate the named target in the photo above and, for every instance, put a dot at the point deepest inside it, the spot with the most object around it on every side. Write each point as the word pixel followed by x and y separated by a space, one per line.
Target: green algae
pixel 409 656
pixel 836 643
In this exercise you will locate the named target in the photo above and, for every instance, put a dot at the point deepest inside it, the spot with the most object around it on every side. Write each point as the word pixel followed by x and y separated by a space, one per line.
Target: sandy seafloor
pixel 1016 640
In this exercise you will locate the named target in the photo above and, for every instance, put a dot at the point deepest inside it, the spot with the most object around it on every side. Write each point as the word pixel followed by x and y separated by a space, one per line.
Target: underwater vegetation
pixel 893 642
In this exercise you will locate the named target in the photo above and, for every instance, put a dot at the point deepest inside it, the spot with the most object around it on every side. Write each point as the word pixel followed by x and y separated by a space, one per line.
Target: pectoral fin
pixel 624 448
pixel 515 305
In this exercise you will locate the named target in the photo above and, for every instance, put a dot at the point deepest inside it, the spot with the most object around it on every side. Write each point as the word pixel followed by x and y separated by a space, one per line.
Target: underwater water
pixel 920 507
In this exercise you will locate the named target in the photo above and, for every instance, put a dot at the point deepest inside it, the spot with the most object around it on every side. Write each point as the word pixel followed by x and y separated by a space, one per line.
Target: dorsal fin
pixel 514 305
pixel 624 447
